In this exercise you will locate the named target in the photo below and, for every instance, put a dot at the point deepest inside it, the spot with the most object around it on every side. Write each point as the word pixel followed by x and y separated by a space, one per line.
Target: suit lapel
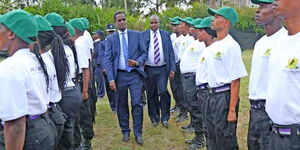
pixel 163 43
pixel 117 38
pixel 130 37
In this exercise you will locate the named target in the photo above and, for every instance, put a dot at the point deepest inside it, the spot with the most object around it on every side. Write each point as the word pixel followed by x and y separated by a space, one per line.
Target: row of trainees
pixel 44 95
pixel 210 78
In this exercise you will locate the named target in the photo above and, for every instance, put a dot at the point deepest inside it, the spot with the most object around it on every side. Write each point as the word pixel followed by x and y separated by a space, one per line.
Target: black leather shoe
pixel 165 124
pixel 139 140
pixel 126 137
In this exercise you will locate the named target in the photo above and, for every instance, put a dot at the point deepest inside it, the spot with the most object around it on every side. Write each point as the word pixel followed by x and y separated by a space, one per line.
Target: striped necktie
pixel 156 49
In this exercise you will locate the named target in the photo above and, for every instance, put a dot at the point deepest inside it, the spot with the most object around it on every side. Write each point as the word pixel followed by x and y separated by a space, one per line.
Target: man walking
pixel 159 66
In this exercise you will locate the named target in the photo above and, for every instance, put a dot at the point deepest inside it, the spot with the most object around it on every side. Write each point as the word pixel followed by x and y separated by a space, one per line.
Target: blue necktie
pixel 125 52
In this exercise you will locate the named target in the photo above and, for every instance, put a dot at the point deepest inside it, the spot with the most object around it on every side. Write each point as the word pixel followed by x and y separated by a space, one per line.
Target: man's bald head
pixel 154 23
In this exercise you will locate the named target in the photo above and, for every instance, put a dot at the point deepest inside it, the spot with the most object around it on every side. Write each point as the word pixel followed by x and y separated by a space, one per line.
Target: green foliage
pixel 99 17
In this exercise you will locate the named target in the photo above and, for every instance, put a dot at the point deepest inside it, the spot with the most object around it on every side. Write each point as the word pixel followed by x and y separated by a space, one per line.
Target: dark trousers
pixel 58 119
pixel 285 142
pixel 71 100
pixel 132 81
pixel 203 95
pixel 259 129
pixel 191 103
pixel 110 94
pixel 177 89
pixel 221 134
pixel 40 134
pixel 159 100
pixel 100 80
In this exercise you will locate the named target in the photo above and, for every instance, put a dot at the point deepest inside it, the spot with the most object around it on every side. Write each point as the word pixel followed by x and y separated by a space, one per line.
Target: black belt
pixel 202 86
pixel 155 66
pixel 189 74
pixel 258 104
pixel 120 70
pixel 286 130
pixel 219 89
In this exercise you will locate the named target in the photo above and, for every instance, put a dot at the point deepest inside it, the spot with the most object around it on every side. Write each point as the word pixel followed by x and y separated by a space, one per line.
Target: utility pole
pixel 125 3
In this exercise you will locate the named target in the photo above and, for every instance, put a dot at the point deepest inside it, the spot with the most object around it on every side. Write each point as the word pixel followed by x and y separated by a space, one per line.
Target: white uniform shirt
pixel 259 66
pixel 283 93
pixel 89 40
pixel 150 61
pixel 82 48
pixel 185 42
pixel 173 37
pixel 176 44
pixel 54 92
pixel 72 66
pixel 23 86
pixel 225 63
pixel 190 58
pixel 201 71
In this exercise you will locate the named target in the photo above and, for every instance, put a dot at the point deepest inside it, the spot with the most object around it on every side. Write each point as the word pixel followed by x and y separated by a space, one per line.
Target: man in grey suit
pixel 159 66
pixel 125 56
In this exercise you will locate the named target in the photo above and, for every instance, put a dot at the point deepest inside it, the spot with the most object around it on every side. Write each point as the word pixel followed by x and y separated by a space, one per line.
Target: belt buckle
pixel 210 90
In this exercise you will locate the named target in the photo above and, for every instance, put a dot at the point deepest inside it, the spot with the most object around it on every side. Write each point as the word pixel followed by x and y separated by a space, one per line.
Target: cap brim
pixel 260 2
pixel 200 27
pixel 212 11
pixel 108 30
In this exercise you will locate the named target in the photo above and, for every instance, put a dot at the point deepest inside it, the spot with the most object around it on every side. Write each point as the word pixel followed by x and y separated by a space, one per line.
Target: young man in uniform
pixel 110 29
pixel 160 66
pixel 260 124
pixel 282 104
pixel 224 70
pixel 188 66
pixel 83 125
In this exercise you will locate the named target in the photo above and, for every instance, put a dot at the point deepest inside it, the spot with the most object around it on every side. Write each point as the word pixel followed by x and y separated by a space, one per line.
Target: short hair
pixel 118 13
pixel 156 17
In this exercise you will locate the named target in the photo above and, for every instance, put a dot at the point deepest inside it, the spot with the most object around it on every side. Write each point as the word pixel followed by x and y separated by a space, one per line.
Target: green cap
pixel 262 1
pixel 70 29
pixel 174 19
pixel 43 24
pixel 86 22
pixel 227 12
pixel 77 23
pixel 186 20
pixel 21 23
pixel 195 22
pixel 55 19
pixel 205 23
pixel 175 23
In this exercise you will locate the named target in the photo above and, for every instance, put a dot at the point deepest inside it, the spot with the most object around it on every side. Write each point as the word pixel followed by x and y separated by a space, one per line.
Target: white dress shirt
pixel 150 61
pixel 122 64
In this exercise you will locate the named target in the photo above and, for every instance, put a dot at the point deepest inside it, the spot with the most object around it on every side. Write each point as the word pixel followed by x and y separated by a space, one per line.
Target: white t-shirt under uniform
pixel 191 56
pixel 259 66
pixel 72 66
pixel 23 86
pixel 225 63
pixel 83 50
pixel 201 70
pixel 283 93
pixel 54 92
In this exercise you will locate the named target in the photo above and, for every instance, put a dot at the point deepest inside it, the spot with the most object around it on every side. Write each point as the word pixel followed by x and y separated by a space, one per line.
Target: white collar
pixel 125 31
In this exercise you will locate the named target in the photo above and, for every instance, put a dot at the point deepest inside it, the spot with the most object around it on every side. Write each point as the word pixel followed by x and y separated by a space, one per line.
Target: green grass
pixel 108 135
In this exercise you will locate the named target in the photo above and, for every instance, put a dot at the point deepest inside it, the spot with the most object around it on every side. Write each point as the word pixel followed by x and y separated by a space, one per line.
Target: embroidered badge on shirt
pixel 268 52
pixel 292 63
pixel 183 43
pixel 202 60
pixel 192 49
pixel 176 44
pixel 218 55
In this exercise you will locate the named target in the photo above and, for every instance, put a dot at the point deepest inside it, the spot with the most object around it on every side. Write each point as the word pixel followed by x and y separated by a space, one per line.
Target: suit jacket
pixel 136 51
pixel 99 48
pixel 167 48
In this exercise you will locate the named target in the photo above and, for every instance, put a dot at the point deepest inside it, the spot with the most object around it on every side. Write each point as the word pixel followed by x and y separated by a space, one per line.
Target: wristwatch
pixel 137 63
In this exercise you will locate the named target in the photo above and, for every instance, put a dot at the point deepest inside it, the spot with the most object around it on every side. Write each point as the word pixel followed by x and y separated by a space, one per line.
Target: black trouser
pixel 221 134
pixel 58 119
pixel 110 94
pixel 260 126
pixel 286 142
pixel 40 134
pixel 191 104
pixel 177 89
pixel 84 122
pixel 159 100
pixel 71 100
pixel 203 95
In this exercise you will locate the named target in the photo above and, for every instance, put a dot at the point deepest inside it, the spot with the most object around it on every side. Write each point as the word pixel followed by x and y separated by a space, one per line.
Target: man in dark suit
pixel 159 66
pixel 110 28
pixel 125 56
